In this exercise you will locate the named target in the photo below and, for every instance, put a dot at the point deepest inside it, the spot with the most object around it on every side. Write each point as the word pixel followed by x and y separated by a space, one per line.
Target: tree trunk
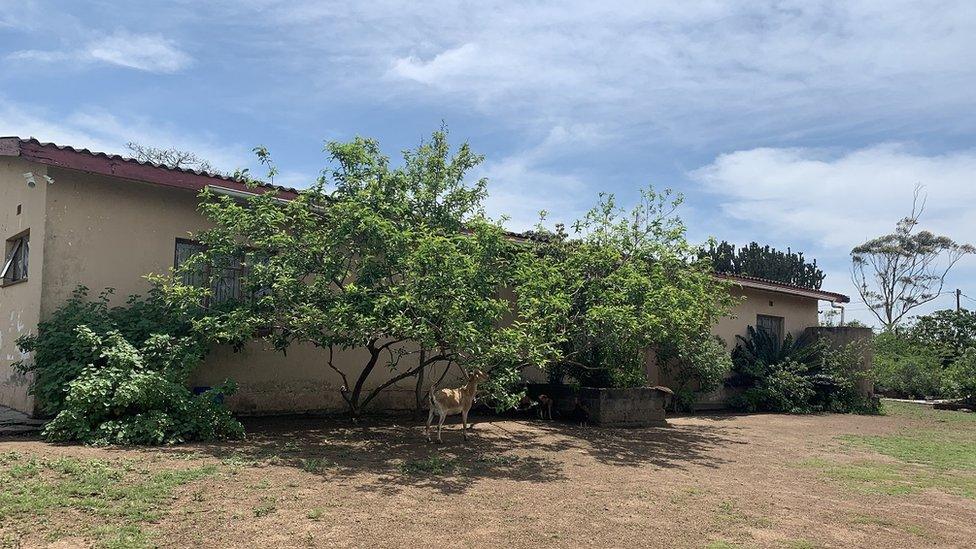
pixel 418 390
pixel 355 409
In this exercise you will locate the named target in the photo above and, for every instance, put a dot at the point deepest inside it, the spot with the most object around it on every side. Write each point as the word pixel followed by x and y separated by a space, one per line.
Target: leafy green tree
pixel 949 331
pixel 399 261
pixel 697 368
pixel 960 379
pixel 919 359
pixel 623 282
pixel 898 272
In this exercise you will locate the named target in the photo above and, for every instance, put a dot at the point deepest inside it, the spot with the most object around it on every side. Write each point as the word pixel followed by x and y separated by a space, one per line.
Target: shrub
pixel 623 282
pixel 903 367
pixel 784 387
pixel 119 375
pixel 797 377
pixel 835 381
pixel 960 378
pixel 697 368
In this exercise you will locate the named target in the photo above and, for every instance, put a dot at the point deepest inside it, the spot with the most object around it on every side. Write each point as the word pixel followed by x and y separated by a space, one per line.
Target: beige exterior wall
pixel 798 313
pixel 20 302
pixel 106 232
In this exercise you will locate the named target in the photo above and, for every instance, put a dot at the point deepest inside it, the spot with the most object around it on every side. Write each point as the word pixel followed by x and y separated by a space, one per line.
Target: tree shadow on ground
pixel 395 453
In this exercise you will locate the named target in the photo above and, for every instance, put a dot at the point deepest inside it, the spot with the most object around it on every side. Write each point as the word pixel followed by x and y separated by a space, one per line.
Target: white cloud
pixel 99 130
pixel 151 53
pixel 835 201
pixel 696 72
pixel 523 184
pixel 145 52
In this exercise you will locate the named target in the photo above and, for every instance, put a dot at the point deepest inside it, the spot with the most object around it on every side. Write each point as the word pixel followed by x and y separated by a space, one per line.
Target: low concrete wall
pixel 629 407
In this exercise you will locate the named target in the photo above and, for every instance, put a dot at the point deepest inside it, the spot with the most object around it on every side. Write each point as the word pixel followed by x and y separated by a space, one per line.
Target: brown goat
pixel 454 401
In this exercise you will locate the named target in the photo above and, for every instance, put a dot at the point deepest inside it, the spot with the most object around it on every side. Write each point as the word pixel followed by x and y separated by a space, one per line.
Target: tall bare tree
pixel 174 158
pixel 898 272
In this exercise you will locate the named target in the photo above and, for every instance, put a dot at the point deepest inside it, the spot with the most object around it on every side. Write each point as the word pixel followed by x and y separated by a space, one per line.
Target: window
pixel 226 286
pixel 773 325
pixel 16 259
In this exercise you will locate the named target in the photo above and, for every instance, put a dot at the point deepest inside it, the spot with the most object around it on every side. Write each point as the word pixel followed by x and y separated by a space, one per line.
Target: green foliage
pixel 698 368
pixel 624 282
pixel 960 379
pixel 58 354
pixel 119 375
pixel 835 379
pixel 764 262
pixel 116 499
pixel 929 357
pixel 783 387
pixel 949 332
pixel 904 367
pixel 392 260
pixel 753 355
pixel 797 377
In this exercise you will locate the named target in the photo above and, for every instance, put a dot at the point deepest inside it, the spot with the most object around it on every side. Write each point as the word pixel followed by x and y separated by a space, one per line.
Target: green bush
pixel 928 357
pixel 697 368
pixel 960 378
pixel 904 367
pixel 784 387
pixel 835 381
pixel 119 375
pixel 797 377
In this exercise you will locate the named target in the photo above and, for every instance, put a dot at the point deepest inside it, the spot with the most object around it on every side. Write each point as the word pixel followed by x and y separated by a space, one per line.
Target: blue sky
pixel 803 124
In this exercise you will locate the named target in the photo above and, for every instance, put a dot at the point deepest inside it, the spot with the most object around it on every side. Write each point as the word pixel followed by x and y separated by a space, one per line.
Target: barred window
pixel 226 285
pixel 772 325
pixel 16 259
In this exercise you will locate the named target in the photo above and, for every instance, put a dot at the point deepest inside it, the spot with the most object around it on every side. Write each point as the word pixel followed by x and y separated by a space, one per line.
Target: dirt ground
pixel 714 481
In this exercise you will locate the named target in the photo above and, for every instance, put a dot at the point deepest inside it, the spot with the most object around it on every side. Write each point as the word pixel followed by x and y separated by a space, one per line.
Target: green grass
pixel 119 496
pixel 268 505
pixel 926 413
pixel 894 479
pixel 316 465
pixel 872 520
pixel 930 448
pixel 936 451
pixel 729 513
pixel 434 465
pixel 315 514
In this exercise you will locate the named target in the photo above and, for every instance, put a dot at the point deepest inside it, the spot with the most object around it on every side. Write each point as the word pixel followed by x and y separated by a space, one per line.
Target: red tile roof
pixel 128 168
pixel 782 287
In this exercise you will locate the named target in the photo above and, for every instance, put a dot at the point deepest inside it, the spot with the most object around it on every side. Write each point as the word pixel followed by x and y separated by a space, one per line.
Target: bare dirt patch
pixel 717 481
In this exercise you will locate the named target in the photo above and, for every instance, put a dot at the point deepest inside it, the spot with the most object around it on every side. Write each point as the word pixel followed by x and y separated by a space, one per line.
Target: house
pixel 73 217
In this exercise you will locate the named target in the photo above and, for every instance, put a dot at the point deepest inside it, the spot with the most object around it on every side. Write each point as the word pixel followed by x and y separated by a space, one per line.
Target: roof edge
pixel 9 146
pixel 146 172
pixel 781 287
pixel 127 168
